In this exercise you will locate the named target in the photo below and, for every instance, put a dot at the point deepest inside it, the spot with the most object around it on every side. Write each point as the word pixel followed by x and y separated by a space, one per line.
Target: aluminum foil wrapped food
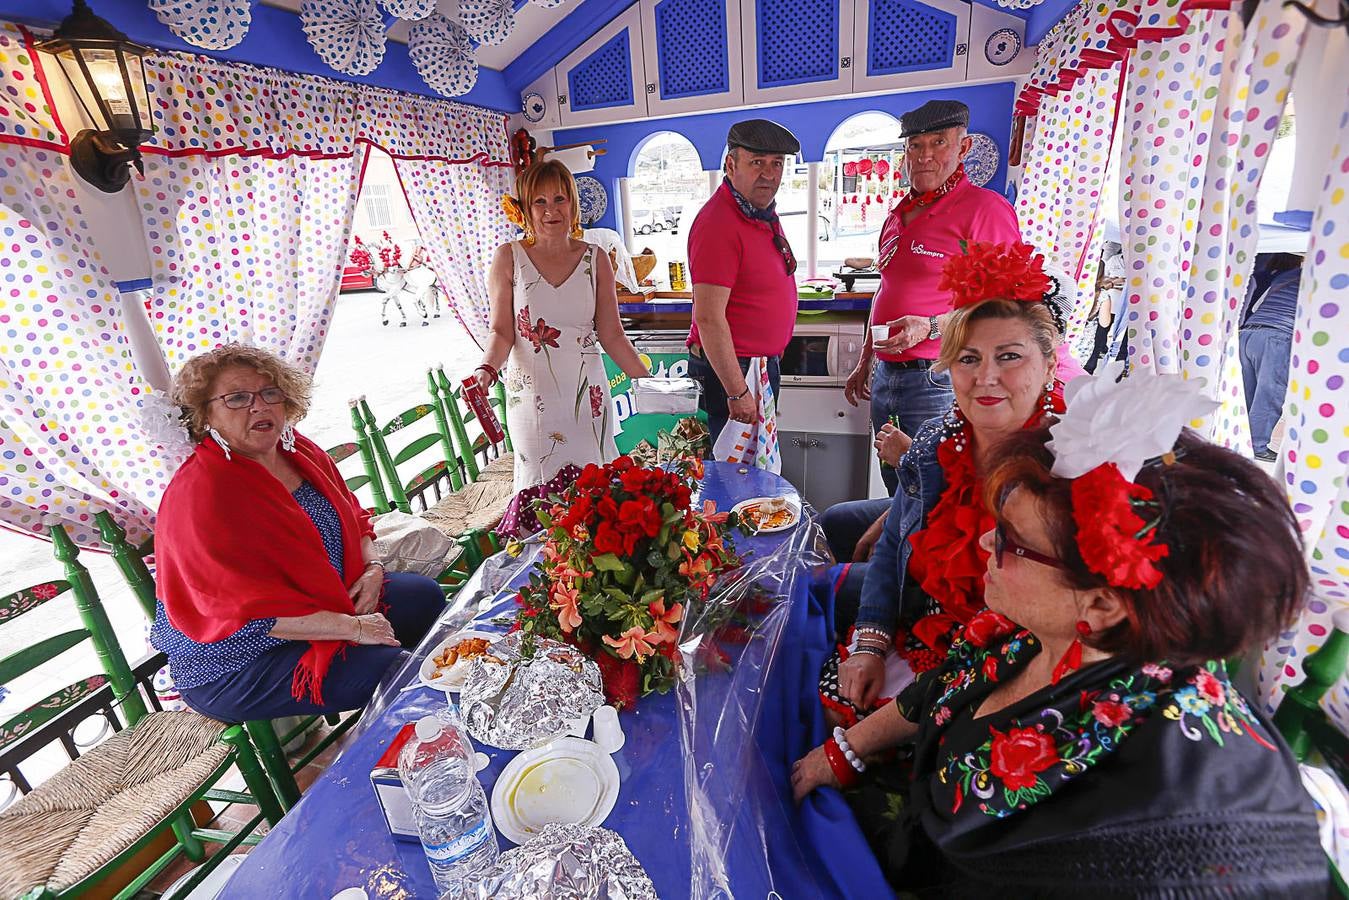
pixel 514 703
pixel 565 862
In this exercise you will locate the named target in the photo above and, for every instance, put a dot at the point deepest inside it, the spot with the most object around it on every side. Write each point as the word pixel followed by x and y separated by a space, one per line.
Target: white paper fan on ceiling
pixel 209 24
pixel 548 4
pixel 412 10
pixel 348 35
pixel 487 21
pixel 443 53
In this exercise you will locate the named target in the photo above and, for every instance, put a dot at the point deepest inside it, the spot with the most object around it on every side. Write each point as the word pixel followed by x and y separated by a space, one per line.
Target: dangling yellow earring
pixel 576 227
pixel 529 235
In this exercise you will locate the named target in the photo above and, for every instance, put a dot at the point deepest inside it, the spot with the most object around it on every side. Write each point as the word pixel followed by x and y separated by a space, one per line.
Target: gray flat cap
pixel 934 115
pixel 762 136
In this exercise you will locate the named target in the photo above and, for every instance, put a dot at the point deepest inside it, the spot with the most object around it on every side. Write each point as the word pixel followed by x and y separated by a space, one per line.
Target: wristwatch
pixel 933 328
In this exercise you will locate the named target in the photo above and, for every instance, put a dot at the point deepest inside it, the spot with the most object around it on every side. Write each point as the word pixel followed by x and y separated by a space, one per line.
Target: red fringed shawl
pixel 232 546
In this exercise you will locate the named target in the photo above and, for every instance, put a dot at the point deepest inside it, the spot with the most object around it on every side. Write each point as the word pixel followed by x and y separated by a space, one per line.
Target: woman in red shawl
pixel 272 600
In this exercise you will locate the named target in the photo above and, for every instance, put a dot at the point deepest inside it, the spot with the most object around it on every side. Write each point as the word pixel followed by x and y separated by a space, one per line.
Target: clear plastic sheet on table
pixel 485 589
pixel 742 841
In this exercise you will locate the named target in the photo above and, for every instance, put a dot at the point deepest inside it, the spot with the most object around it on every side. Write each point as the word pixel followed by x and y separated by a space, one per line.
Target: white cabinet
pixel 604 79
pixel 692 52
pixel 997 46
pixel 796 49
pixel 538 103
pixel 907 43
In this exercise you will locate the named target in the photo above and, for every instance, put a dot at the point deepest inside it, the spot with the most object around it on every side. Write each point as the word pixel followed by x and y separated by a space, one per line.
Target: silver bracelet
pixel 861 630
pixel 840 738
pixel 376 562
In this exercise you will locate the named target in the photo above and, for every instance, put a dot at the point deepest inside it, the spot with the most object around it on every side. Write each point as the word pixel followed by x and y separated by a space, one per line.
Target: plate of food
pixel 568 781
pixel 447 666
pixel 766 515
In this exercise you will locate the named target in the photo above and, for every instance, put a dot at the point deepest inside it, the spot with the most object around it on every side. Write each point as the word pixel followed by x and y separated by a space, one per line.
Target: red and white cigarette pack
pixel 477 401
pixel 393 798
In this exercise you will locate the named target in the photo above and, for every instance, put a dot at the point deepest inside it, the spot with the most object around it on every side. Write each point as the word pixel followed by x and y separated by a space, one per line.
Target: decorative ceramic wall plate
pixel 981 163
pixel 1002 46
pixel 594 199
pixel 348 35
pixel 209 24
pixel 533 106
pixel 443 53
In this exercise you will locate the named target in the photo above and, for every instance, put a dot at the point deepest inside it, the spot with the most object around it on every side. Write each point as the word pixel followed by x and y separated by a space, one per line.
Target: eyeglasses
pixel 244 399
pixel 788 257
pixel 1004 544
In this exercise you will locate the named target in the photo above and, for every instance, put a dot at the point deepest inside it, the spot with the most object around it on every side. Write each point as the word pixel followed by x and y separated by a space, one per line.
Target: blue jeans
pixel 1264 372
pixel 262 689
pixel 713 399
pixel 909 395
pixel 845 523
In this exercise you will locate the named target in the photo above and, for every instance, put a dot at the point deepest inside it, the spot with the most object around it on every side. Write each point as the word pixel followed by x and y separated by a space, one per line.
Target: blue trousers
pixel 713 399
pixel 909 395
pixel 1264 355
pixel 843 524
pixel 262 690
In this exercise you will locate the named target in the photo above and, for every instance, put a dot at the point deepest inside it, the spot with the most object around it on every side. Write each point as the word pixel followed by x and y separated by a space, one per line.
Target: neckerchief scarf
pixel 233 546
pixel 914 200
pixel 768 215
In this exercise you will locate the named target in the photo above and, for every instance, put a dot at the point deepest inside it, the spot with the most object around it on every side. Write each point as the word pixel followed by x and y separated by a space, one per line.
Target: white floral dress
pixel 558 407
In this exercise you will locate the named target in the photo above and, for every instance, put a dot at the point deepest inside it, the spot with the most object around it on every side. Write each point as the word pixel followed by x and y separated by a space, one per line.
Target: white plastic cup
pixel 879 333
pixel 608 732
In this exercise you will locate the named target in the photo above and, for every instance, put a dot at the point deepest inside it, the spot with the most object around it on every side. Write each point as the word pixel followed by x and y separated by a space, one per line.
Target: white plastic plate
pixel 567 781
pixel 793 507
pixel 451 682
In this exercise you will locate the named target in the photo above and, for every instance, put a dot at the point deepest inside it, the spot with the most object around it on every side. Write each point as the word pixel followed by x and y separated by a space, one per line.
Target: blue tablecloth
pixel 336 836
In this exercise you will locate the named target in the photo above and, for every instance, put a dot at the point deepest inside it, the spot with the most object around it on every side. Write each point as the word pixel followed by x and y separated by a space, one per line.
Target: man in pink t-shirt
pixel 743 274
pixel 921 233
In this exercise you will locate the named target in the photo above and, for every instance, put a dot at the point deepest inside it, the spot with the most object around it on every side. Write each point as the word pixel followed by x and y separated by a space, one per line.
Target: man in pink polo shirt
pixel 743 273
pixel 941 209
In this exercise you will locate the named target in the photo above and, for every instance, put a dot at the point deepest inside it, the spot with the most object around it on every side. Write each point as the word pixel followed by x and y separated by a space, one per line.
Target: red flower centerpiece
pixel 626 559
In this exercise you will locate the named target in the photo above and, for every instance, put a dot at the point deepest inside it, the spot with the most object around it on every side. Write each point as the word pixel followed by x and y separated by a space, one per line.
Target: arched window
pixel 667 188
pixel 859 182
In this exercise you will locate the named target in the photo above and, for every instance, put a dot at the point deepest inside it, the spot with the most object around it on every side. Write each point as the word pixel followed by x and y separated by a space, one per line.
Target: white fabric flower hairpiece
pixel 1126 422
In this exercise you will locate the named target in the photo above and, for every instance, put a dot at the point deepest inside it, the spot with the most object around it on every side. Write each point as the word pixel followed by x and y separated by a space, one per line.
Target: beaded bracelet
pixel 490 370
pixel 841 739
pixel 871 651
pixel 838 763
pixel 863 631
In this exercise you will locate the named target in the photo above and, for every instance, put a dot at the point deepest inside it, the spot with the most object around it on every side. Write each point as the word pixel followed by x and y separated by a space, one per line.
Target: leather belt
pixel 911 363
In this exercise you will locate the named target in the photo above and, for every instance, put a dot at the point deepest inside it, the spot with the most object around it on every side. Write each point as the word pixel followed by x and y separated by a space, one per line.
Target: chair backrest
pixel 97 630
pixel 475 449
pixel 1304 724
pixel 369 476
pixel 429 449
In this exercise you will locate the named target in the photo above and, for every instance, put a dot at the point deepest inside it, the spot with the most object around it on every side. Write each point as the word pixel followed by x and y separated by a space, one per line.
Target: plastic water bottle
pixel 448 802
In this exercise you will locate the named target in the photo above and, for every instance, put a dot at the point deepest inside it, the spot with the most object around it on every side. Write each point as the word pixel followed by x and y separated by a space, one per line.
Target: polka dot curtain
pixel 25 105
pixel 1199 115
pixel 1058 203
pixel 457 209
pixel 1316 448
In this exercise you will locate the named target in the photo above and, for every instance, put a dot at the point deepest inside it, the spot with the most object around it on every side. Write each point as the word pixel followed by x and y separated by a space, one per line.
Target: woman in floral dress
pixel 554 307
pixel 1081 738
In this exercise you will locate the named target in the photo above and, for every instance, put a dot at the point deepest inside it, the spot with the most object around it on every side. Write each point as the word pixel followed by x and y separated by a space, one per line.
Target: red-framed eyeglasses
pixel 1002 543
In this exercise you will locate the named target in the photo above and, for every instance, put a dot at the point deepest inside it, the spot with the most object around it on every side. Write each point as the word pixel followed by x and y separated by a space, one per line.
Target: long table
pixel 729 738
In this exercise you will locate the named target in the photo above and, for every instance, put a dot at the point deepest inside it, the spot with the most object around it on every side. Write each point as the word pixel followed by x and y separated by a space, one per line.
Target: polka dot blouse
pixel 192 663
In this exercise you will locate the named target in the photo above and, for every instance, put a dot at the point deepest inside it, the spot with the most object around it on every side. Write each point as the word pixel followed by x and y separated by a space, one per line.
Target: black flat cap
pixel 762 136
pixel 934 115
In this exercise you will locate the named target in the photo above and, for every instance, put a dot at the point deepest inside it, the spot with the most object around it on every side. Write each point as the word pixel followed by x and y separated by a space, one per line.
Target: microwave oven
pixel 823 354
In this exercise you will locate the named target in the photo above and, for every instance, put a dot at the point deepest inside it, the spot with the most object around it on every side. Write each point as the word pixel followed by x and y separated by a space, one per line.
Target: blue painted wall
pixel 813 123
pixel 275 39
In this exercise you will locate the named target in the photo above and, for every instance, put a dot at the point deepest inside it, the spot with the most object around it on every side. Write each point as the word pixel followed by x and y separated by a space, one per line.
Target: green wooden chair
pixel 482 459
pixel 78 829
pixel 1313 738
pixel 270 744
pixel 369 476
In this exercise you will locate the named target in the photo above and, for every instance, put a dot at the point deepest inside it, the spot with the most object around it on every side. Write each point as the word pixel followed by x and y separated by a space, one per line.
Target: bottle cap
pixel 428 728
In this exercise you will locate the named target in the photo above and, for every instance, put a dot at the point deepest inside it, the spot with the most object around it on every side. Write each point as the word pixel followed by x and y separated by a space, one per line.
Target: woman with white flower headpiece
pixel 1082 734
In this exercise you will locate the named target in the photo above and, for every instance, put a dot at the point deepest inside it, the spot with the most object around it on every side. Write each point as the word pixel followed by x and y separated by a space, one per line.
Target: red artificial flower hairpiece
pixel 1115 542
pixel 987 271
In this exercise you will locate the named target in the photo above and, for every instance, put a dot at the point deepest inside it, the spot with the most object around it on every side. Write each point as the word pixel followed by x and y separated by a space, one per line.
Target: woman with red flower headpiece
pixel 925 578
pixel 1096 746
